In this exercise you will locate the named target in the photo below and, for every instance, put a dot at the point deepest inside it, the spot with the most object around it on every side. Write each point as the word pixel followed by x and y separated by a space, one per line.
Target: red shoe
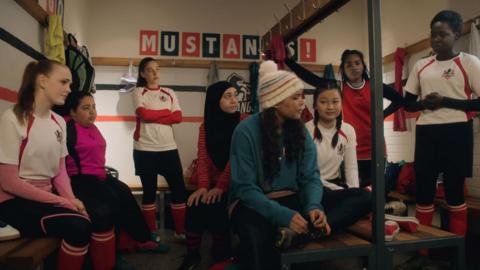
pixel 409 224
pixel 391 230
pixel 223 264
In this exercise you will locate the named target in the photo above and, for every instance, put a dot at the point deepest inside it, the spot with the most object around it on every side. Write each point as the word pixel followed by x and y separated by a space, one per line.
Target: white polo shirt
pixel 42 150
pixel 329 159
pixel 456 78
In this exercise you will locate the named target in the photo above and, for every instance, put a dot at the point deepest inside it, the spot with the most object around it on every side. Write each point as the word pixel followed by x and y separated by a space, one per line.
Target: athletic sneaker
pixel 7 232
pixel 155 237
pixel 409 224
pixel 181 236
pixel 391 230
pixel 396 208
pixel 152 247
pixel 190 261
pixel 223 264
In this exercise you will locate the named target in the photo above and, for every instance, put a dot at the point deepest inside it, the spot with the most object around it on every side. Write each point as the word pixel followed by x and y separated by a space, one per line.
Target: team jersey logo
pixel 163 98
pixel 447 74
pixel 59 135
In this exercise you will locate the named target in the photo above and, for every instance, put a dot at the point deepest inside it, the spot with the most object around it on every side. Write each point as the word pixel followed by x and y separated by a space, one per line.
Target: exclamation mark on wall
pixel 308 51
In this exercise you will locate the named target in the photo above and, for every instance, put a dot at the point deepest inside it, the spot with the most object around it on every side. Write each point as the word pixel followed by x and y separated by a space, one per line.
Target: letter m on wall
pixel 148 42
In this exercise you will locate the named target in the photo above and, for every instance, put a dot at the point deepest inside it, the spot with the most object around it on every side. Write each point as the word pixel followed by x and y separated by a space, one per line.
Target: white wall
pixel 111 34
pixel 18 22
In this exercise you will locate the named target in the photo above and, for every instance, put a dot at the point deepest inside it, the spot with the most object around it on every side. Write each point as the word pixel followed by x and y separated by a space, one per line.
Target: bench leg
pixel 460 260
pixel 388 260
pixel 161 209
pixel 371 261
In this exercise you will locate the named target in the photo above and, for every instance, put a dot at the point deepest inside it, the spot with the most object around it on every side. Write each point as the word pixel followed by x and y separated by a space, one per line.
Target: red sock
pixel 193 241
pixel 149 211
pixel 71 257
pixel 424 214
pixel 457 219
pixel 102 250
pixel 126 242
pixel 178 213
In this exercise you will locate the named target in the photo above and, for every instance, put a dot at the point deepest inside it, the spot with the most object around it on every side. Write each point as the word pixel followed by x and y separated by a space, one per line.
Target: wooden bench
pixel 472 202
pixel 26 253
pixel 473 205
pixel 161 188
pixel 339 245
pixel 425 237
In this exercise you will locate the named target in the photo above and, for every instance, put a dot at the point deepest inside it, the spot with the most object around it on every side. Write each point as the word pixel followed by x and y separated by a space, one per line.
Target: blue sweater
pixel 246 183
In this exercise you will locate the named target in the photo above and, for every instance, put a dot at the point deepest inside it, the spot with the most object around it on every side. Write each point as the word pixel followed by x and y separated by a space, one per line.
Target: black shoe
pixel 286 238
pixel 316 234
pixel 190 261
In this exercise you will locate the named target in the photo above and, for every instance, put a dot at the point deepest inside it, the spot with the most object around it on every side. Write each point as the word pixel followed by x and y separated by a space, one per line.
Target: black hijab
pixel 219 125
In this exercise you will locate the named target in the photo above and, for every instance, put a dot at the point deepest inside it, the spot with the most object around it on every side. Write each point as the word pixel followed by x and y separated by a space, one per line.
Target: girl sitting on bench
pixel 32 165
pixel 275 181
pixel 109 202
pixel 207 207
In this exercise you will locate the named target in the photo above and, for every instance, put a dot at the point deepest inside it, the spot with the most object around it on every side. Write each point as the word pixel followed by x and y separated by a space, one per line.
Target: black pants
pixel 257 234
pixel 446 148
pixel 34 219
pixel 208 217
pixel 110 203
pixel 150 164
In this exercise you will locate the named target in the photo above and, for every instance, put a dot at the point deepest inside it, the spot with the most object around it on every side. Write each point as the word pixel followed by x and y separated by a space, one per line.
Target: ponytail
pixel 26 94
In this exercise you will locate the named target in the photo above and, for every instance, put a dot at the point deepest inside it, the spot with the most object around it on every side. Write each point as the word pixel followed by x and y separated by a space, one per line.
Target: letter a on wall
pixel 148 42
pixel 231 46
pixel 169 43
pixel 191 44
pixel 210 45
pixel 308 50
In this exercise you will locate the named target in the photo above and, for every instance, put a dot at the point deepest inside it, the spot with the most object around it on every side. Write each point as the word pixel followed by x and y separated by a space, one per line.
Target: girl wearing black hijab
pixel 206 207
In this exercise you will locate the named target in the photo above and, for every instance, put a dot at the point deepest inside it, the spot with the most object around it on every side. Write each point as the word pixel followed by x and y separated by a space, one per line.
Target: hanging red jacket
pixel 399 117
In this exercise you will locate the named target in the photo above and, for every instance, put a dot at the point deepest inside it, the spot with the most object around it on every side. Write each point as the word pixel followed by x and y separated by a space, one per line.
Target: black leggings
pixel 110 202
pixel 150 164
pixel 34 219
pixel 446 148
pixel 208 217
pixel 342 207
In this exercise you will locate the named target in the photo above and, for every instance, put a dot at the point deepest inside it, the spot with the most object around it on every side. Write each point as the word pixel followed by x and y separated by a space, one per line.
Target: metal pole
pixel 378 164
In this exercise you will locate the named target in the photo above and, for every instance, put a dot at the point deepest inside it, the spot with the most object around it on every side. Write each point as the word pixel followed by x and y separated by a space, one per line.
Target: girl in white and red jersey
pixel 32 165
pixel 155 150
pixel 108 201
pixel 444 134
pixel 335 141
pixel 355 86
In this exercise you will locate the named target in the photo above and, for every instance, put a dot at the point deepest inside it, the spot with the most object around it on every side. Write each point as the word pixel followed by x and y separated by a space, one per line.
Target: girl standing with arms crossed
pixel 155 150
